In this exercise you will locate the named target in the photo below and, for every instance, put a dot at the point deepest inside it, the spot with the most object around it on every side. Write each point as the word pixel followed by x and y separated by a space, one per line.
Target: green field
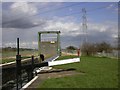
pixel 100 72
pixel 10 55
pixel 12 59
pixel 7 54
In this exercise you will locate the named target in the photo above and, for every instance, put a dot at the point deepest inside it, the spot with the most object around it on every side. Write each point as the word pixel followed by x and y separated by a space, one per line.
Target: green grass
pixel 12 59
pixel 67 57
pixel 7 60
pixel 9 56
pixel 99 73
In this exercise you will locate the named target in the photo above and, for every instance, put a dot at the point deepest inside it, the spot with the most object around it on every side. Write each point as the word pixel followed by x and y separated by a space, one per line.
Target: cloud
pixel 25 14
pixel 24 7
pixel 18 18
pixel 23 23
pixel 74 28
pixel 21 15
pixel 65 25
pixel 71 33
pixel 113 7
pixel 110 6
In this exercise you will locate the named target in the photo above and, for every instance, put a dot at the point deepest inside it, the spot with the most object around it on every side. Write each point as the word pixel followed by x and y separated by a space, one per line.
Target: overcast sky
pixel 25 20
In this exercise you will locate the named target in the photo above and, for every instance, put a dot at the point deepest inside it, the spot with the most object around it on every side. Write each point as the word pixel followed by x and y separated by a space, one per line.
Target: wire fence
pixel 113 54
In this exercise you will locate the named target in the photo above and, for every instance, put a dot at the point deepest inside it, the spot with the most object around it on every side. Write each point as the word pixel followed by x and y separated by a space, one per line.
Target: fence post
pixel 32 66
pixel 18 67
pixel 30 69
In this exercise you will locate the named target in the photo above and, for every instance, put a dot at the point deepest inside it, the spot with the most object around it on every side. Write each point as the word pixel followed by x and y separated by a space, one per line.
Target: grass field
pixel 7 54
pixel 7 60
pixel 10 55
pixel 99 73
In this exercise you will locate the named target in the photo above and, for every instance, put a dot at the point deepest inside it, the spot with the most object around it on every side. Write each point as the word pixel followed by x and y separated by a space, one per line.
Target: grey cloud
pixel 19 22
pixel 22 21
pixel 95 37
pixel 66 40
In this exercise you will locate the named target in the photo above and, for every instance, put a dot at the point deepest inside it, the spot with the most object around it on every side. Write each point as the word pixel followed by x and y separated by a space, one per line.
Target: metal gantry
pixel 49 32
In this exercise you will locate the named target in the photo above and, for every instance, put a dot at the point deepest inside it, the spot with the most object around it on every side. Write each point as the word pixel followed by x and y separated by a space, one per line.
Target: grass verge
pixel 100 72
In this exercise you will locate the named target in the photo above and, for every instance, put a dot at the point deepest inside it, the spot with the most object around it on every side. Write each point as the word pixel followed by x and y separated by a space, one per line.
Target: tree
pixel 104 46
pixel 71 48
pixel 92 48
pixel 88 49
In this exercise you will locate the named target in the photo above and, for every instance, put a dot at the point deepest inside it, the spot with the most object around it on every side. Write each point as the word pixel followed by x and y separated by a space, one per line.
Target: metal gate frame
pixel 49 32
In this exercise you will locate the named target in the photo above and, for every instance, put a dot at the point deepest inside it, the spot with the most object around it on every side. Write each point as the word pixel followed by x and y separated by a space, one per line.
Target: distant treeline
pixel 93 48
pixel 14 49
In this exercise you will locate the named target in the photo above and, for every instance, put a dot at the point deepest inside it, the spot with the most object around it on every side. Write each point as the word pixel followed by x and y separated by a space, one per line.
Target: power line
pixel 57 9
pixel 15 9
pixel 92 10
pixel 52 11
pixel 60 8
pixel 21 14
pixel 45 12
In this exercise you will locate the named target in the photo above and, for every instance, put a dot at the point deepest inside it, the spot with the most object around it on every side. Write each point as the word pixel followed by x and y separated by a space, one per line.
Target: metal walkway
pixel 52 58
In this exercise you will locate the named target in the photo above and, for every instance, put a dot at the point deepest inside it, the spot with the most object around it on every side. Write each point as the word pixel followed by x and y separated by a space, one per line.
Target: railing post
pixel 30 69
pixel 58 44
pixel 18 67
pixel 18 70
pixel 39 46
pixel 32 66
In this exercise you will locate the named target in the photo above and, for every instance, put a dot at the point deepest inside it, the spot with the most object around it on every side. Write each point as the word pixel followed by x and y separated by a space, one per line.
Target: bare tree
pixel 92 48
pixel 88 49
pixel 104 46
